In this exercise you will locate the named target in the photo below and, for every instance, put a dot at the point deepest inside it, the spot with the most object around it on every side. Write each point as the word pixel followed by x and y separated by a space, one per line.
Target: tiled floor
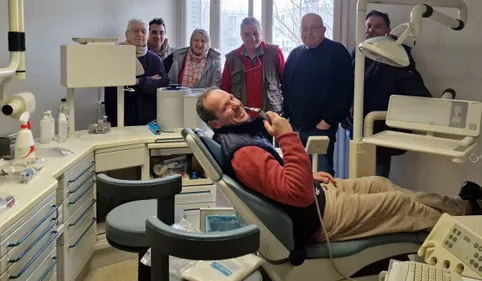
pixel 122 271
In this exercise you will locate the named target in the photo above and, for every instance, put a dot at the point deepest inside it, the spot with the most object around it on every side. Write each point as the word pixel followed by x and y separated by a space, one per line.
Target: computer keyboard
pixel 415 271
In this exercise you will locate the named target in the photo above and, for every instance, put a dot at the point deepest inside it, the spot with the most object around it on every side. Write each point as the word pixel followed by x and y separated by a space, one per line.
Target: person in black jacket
pixel 381 81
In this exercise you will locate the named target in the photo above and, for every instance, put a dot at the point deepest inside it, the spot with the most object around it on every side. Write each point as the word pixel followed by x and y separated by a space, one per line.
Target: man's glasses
pixel 143 31
pixel 311 28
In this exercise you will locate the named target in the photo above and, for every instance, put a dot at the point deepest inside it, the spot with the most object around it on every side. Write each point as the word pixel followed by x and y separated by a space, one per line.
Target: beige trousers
pixel 371 206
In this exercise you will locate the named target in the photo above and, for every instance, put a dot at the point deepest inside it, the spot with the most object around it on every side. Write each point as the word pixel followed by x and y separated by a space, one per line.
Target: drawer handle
pixel 35 257
pixel 192 209
pixel 83 234
pixel 80 186
pixel 55 209
pixel 83 213
pixel 83 193
pixel 83 172
pixel 49 269
pixel 33 243
pixel 194 192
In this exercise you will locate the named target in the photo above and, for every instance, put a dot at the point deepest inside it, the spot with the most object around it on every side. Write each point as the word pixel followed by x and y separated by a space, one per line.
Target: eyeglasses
pixel 143 31
pixel 311 28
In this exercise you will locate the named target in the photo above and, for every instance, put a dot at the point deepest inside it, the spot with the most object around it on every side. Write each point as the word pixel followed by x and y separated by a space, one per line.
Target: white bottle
pixel 63 127
pixel 52 123
pixel 24 144
pixel 45 129
pixel 63 108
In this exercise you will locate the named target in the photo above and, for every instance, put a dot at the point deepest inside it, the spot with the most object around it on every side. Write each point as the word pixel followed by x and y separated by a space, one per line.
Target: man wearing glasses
pixel 253 73
pixel 318 86
pixel 139 99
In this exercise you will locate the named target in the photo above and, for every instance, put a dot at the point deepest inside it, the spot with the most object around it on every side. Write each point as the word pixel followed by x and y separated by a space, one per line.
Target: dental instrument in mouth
pixel 259 112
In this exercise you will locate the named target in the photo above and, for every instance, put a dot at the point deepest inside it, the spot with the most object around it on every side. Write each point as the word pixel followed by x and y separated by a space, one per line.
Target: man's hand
pixel 278 126
pixel 323 125
pixel 324 178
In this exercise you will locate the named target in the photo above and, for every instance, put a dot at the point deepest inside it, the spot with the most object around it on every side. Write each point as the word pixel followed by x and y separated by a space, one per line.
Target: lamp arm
pixel 408 32
pixel 16 46
pixel 426 11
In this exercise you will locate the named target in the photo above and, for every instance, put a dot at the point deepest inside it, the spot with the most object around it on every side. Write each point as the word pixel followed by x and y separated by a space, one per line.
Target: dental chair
pixel 276 229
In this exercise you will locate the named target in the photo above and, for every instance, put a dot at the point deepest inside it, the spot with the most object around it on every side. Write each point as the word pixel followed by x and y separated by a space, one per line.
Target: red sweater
pixel 254 77
pixel 291 184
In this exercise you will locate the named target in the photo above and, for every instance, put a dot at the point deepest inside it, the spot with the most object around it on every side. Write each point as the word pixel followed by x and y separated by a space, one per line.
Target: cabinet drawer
pixel 84 213
pixel 74 201
pixel 75 186
pixel 196 194
pixel 19 256
pixel 47 269
pixel 30 226
pixel 22 272
pixel 126 157
pixel 74 174
pixel 75 252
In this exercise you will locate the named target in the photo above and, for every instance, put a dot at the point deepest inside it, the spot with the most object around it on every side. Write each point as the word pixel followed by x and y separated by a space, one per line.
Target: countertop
pixel 81 143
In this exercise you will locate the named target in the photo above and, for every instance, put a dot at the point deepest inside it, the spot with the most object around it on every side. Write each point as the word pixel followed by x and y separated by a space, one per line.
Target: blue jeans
pixel 325 161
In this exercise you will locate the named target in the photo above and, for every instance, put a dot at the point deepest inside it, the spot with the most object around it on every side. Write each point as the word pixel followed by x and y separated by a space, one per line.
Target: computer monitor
pixel 455 117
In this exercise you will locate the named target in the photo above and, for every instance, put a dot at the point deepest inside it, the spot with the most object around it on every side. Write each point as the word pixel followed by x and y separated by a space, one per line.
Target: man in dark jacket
pixel 139 99
pixel 381 81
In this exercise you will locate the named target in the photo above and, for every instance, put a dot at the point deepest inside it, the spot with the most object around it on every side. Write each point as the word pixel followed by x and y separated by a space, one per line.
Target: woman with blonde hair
pixel 197 66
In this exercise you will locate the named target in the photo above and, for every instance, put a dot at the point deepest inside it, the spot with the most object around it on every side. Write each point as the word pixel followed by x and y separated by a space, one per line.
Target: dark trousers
pixel 383 165
pixel 325 161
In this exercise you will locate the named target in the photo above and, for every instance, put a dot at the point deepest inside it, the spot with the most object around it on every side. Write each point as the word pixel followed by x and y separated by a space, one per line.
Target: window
pixel 232 13
pixel 287 16
pixel 257 7
pixel 198 16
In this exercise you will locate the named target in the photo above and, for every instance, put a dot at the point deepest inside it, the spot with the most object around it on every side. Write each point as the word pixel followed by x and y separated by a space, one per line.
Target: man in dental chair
pixel 351 209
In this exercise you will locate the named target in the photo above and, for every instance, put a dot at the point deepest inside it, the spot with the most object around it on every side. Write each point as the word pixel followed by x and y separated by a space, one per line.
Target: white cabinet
pixel 77 195
pixel 28 247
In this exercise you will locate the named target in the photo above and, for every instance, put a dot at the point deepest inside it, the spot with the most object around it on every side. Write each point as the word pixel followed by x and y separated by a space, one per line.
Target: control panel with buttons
pixel 465 246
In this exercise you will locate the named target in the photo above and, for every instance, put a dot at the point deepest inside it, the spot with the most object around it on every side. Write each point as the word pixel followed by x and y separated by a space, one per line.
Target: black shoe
pixel 470 190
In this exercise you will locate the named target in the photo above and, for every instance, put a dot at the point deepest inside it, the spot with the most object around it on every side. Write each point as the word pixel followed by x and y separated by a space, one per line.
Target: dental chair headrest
pixel 213 147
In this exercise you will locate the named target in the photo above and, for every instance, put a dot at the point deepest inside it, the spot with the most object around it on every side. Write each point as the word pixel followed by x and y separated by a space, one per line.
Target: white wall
pixel 51 23
pixel 446 59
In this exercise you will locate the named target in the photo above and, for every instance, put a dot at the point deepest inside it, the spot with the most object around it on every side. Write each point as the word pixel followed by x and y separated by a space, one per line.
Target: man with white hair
pixel 253 73
pixel 139 99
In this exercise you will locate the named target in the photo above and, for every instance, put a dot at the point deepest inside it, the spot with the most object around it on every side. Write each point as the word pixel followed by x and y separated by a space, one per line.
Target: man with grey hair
pixel 253 73
pixel 140 99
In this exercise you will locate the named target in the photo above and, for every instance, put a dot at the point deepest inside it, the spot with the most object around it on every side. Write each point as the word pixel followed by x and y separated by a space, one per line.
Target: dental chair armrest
pixel 201 246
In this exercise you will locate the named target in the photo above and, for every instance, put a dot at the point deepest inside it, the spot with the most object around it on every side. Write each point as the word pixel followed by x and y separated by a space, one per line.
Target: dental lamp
pixel 388 50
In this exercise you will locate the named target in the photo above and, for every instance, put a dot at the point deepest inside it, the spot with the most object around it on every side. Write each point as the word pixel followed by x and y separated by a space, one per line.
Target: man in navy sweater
pixel 318 86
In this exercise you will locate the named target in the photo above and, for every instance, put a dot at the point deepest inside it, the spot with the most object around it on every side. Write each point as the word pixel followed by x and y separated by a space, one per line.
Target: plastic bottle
pixel 25 143
pixel 52 123
pixel 63 108
pixel 101 110
pixel 63 127
pixel 46 128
